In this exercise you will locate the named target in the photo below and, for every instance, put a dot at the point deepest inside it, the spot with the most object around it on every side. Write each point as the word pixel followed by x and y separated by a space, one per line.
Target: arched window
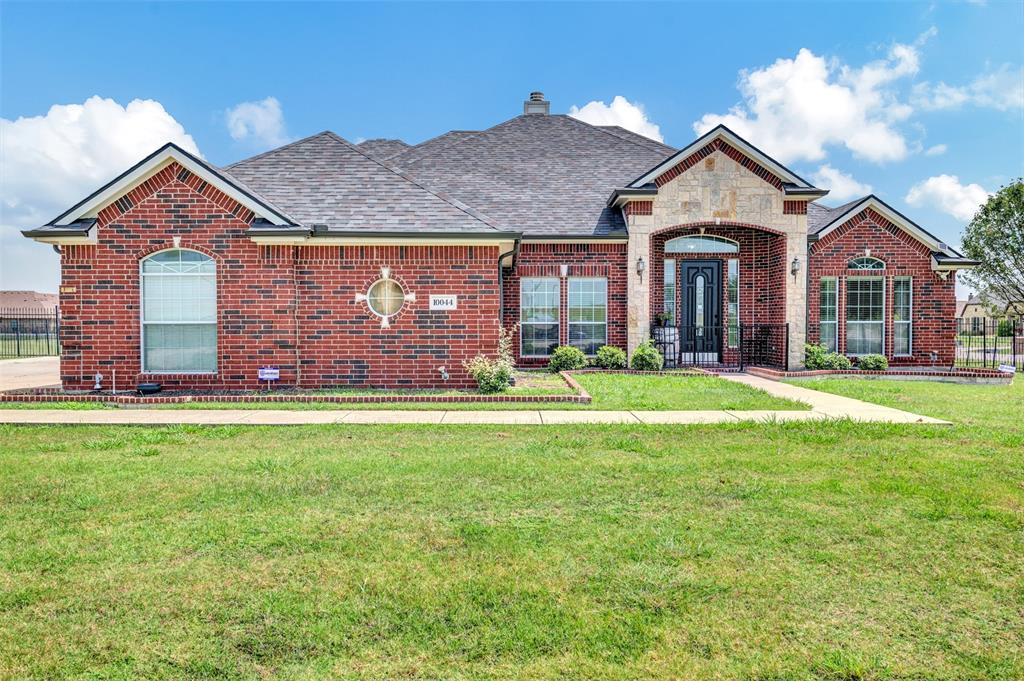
pixel 179 312
pixel 865 264
pixel 701 243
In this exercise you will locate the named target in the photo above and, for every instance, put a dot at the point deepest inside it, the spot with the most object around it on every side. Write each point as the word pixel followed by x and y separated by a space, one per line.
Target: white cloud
pixel 937 150
pixel 51 162
pixel 945 193
pixel 841 185
pixel 261 123
pixel 795 108
pixel 621 112
pixel 1002 89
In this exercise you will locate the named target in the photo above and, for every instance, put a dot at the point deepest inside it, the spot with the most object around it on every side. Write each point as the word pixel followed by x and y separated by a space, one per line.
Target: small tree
pixel 995 238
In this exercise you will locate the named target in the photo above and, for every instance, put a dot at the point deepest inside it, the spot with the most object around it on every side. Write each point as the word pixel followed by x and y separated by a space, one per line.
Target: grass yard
pixel 610 392
pixel 782 551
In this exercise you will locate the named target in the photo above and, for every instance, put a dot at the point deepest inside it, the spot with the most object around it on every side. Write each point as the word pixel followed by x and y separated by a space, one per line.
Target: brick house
pixel 389 264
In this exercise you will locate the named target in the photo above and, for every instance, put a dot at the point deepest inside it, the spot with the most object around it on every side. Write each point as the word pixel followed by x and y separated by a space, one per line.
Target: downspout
pixel 295 315
pixel 501 279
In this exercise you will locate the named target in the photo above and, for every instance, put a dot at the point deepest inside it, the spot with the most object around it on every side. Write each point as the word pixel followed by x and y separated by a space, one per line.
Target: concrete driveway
pixel 31 372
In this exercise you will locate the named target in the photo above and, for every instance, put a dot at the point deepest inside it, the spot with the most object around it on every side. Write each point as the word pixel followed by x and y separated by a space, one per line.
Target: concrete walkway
pixel 30 372
pixel 823 406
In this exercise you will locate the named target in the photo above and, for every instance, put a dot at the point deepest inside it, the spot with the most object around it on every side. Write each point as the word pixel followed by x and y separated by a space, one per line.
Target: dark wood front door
pixel 700 329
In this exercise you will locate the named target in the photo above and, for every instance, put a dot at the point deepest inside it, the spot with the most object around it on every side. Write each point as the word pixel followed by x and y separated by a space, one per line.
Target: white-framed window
pixel 865 315
pixel 733 309
pixel 539 302
pixel 179 312
pixel 588 313
pixel 669 280
pixel 701 243
pixel 902 315
pixel 385 297
pixel 828 299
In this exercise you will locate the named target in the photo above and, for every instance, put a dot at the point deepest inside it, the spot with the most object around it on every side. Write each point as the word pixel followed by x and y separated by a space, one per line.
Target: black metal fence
pixel 764 345
pixel 29 333
pixel 989 343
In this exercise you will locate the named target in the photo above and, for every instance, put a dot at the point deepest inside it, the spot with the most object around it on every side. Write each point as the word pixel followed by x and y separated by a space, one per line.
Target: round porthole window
pixel 385 297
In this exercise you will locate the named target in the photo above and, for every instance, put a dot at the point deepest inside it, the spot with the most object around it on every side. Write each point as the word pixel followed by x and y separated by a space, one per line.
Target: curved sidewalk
pixel 823 406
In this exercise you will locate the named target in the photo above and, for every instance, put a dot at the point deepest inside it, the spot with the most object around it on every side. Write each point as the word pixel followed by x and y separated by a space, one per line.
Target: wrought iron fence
pixel 989 343
pixel 29 333
pixel 721 347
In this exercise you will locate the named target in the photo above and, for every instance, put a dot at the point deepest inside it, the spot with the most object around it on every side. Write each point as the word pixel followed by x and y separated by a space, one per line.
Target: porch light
pixel 640 266
pixel 794 267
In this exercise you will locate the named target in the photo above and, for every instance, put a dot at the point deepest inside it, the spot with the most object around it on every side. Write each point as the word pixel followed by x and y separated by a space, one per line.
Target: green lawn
pixel 609 392
pixel 27 346
pixel 772 551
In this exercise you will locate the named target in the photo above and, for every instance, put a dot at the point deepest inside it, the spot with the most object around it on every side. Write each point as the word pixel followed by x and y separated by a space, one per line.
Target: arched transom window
pixel 865 263
pixel 179 312
pixel 701 243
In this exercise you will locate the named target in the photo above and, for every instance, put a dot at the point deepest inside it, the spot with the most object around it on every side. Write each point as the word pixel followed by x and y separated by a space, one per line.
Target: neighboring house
pixel 28 300
pixel 381 263
pixel 979 308
pixel 28 312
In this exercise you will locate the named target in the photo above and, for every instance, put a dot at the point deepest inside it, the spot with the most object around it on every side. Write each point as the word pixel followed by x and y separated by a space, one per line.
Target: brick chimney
pixel 536 104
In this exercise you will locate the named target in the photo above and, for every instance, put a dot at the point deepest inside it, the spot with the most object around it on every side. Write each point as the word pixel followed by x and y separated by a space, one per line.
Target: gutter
pixel 501 279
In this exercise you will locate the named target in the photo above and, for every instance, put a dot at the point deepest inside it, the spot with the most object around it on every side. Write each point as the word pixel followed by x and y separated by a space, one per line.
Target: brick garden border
pixel 581 396
pixel 990 376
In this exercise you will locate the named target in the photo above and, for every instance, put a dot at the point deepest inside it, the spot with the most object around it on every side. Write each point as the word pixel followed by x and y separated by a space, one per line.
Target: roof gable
pixel 721 138
pixel 825 224
pixel 89 207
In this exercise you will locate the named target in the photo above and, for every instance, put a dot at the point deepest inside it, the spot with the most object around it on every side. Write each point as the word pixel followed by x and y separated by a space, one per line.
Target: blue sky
pixel 921 102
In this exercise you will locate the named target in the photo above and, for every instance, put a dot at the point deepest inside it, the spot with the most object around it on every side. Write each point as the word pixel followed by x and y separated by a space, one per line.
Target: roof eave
pixel 623 194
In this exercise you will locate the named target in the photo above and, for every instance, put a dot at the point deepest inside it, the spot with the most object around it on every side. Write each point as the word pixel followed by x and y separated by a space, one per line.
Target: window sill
pixel 178 373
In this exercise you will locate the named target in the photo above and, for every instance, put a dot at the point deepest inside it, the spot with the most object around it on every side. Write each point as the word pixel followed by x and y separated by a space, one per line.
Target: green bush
pixel 1005 328
pixel 567 358
pixel 833 361
pixel 491 375
pixel 495 375
pixel 818 357
pixel 873 363
pixel 647 358
pixel 611 357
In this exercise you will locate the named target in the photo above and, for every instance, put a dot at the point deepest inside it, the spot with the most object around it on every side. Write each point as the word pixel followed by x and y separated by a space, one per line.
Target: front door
pixel 700 319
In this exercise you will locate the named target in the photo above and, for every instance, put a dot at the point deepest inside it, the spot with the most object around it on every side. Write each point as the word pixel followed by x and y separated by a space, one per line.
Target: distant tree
pixel 995 238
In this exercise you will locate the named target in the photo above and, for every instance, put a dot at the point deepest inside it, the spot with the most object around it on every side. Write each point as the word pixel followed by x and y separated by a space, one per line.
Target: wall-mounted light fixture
pixel 794 266
pixel 641 266
pixel 565 270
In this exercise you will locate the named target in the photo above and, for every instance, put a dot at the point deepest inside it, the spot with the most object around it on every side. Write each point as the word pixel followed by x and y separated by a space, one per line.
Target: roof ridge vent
pixel 536 104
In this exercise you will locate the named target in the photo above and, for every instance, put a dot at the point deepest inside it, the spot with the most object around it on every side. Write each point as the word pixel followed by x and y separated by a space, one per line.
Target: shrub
pixel 818 357
pixel 567 358
pixel 647 358
pixel 494 375
pixel 1005 328
pixel 611 357
pixel 873 363
pixel 833 361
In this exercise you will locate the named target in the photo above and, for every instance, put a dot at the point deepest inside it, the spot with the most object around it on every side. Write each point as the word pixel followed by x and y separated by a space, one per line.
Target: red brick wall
pixel 101 319
pixel 256 299
pixel 584 260
pixel 933 300
pixel 343 343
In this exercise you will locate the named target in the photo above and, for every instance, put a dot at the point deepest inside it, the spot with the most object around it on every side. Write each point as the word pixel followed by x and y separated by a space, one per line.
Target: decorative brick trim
pixel 639 208
pixel 711 225
pixel 727 149
pixel 77 254
pixel 794 208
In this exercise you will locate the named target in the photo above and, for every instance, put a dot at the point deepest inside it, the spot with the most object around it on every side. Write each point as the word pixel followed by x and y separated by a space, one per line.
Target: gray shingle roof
pixel 542 175
pixel 819 217
pixel 325 180
pixel 631 136
pixel 382 148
